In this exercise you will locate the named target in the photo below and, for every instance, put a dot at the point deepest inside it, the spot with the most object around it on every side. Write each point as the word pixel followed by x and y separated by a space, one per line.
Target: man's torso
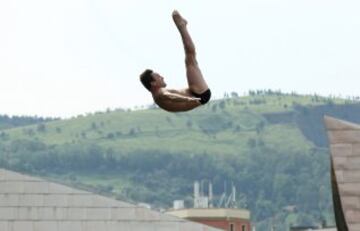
pixel 170 105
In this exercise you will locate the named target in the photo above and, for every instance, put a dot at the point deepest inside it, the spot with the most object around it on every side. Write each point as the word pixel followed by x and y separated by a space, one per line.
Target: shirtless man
pixel 197 93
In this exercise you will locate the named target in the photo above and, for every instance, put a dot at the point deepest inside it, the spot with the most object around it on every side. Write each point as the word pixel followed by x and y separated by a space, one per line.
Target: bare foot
pixel 180 22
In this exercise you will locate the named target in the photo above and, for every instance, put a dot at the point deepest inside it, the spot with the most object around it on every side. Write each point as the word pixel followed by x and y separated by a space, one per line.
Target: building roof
pixel 211 213
pixel 30 203
pixel 311 228
pixel 344 139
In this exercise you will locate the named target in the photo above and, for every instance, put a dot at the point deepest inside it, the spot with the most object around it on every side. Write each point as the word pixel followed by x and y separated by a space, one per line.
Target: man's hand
pixel 198 100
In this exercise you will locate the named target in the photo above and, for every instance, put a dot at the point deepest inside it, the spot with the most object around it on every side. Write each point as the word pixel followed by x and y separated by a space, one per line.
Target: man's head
pixel 151 80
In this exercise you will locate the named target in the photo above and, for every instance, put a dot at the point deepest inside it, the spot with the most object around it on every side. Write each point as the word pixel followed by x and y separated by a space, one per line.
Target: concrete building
pixel 222 218
pixel 344 139
pixel 33 204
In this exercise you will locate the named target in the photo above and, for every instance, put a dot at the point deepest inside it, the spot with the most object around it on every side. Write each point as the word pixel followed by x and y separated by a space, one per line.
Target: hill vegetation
pixel 7 122
pixel 271 146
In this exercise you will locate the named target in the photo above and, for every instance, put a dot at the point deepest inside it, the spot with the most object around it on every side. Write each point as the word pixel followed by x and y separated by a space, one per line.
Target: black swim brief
pixel 204 97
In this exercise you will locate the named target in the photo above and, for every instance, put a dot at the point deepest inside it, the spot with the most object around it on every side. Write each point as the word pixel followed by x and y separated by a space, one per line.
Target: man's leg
pixel 195 79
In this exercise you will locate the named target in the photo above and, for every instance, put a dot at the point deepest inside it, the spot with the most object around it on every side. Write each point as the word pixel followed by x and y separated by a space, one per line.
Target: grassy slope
pixel 227 130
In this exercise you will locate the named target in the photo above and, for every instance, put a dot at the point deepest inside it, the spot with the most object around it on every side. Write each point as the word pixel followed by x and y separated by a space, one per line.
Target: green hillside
pixel 221 127
pixel 272 146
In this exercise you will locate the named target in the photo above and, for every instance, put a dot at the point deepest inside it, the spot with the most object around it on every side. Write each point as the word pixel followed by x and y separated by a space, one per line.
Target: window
pixel 232 228
pixel 243 228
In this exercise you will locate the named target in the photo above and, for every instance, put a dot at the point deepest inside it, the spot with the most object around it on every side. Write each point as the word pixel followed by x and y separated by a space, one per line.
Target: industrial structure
pixel 224 216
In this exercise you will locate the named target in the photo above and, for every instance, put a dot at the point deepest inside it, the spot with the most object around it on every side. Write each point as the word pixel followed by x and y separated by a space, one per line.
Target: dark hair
pixel 146 78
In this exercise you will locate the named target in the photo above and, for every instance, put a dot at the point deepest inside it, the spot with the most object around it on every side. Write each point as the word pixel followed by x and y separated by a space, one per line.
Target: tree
pixel 93 126
pixel 260 127
pixel 214 108
pixel 110 135
pixel 83 134
pixel 131 132
pixel 41 128
pixel 222 104
pixel 29 132
pixel 237 128
pixel 234 94
pixel 189 123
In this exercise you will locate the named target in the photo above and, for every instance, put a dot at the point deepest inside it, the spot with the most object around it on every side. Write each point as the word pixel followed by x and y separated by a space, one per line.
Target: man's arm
pixel 180 98
pixel 183 92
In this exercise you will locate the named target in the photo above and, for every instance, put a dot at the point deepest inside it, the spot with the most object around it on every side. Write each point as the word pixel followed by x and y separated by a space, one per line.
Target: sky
pixel 71 57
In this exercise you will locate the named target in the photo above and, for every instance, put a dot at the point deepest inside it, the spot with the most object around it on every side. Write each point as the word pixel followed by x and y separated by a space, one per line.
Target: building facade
pixel 221 218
